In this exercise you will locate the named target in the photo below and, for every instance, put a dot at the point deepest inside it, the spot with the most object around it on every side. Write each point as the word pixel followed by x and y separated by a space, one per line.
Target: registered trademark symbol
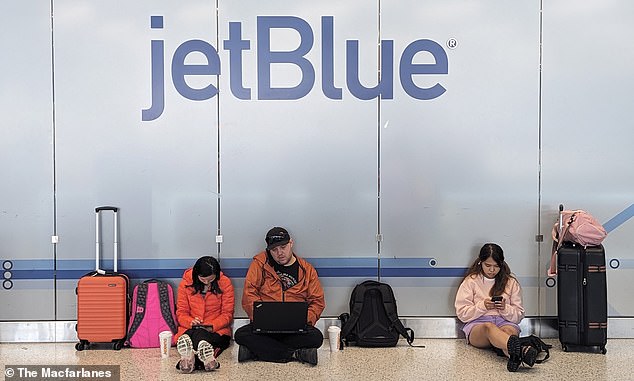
pixel 452 43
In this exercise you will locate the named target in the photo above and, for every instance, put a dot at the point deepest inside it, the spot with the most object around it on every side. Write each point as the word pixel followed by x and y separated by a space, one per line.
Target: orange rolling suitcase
pixel 102 298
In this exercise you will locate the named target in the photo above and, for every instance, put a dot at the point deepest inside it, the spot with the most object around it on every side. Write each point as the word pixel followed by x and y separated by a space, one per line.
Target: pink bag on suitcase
pixel 580 227
pixel 576 226
pixel 152 312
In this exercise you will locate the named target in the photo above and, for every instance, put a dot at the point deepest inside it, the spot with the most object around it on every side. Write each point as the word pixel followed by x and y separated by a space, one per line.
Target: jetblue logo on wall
pixel 236 45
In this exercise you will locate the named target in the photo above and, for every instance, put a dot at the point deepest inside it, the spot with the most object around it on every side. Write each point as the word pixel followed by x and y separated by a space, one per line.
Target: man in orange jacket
pixel 278 274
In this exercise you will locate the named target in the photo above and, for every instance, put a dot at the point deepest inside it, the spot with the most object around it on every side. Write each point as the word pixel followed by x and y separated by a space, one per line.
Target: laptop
pixel 279 317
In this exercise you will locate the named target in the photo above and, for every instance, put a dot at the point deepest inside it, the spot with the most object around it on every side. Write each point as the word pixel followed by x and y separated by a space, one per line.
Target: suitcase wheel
pixel 603 350
pixel 564 347
pixel 117 345
pixel 83 344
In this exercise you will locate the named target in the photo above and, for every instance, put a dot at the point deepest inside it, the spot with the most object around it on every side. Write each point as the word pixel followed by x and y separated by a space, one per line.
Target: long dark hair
pixel 206 266
pixel 501 279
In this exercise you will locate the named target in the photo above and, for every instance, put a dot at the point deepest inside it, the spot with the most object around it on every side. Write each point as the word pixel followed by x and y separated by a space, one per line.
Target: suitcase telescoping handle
pixel 98 235
pixel 552 269
pixel 561 217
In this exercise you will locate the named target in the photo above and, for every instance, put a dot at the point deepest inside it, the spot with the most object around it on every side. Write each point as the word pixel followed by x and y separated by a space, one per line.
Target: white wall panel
pixel 461 169
pixel 587 128
pixel 26 206
pixel 436 177
pixel 162 173
pixel 308 164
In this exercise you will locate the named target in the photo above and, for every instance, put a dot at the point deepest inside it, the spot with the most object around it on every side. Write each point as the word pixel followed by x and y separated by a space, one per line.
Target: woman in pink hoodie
pixel 489 302
pixel 205 314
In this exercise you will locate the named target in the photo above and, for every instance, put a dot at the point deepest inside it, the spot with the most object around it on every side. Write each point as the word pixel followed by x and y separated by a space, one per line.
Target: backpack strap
pixel 561 233
pixel 356 305
pixel 166 310
pixel 389 304
pixel 141 297
pixel 141 301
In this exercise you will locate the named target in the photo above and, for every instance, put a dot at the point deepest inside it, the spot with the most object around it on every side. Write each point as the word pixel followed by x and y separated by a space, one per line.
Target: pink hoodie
pixel 475 289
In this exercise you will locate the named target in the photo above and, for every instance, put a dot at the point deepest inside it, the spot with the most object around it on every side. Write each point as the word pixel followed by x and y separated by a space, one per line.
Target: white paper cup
pixel 165 340
pixel 333 337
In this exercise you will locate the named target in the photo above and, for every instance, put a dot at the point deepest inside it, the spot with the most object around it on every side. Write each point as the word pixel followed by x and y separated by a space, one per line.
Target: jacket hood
pixel 187 275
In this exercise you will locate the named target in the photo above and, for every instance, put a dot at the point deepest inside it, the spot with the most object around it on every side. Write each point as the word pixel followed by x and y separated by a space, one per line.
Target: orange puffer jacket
pixel 263 283
pixel 216 310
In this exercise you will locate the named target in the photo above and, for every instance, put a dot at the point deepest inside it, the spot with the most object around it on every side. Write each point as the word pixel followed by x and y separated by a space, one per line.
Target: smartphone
pixel 496 299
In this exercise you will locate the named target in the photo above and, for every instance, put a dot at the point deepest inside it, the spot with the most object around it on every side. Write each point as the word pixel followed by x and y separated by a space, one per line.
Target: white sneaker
pixel 186 350
pixel 206 355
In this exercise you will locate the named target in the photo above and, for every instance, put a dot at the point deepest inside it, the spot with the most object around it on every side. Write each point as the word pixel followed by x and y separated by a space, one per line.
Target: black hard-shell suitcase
pixel 582 298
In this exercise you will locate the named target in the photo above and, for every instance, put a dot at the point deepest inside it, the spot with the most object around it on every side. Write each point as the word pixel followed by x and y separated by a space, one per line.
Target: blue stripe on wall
pixel 423 272
pixel 619 219
pixel 407 262
pixel 237 268
pixel 31 264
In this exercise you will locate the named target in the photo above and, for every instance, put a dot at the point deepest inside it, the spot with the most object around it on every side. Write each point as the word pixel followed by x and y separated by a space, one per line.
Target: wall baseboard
pixel 424 328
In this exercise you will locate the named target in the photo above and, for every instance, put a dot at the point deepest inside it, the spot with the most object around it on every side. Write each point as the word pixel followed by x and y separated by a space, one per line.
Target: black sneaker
pixel 514 348
pixel 244 354
pixel 306 355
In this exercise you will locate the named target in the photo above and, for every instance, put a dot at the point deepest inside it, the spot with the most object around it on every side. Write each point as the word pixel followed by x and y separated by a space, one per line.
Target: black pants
pixel 277 347
pixel 219 342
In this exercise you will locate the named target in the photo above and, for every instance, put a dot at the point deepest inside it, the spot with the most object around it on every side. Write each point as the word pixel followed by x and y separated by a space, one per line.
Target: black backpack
pixel 543 349
pixel 373 320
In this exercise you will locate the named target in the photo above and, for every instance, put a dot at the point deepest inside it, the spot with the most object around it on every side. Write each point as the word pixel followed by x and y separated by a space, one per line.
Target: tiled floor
pixel 442 359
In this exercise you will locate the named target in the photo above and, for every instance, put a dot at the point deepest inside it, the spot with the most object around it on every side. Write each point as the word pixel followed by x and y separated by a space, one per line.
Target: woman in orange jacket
pixel 205 313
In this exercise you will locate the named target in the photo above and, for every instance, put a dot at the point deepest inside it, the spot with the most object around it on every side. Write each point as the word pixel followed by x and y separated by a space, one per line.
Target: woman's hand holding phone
pixel 498 302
